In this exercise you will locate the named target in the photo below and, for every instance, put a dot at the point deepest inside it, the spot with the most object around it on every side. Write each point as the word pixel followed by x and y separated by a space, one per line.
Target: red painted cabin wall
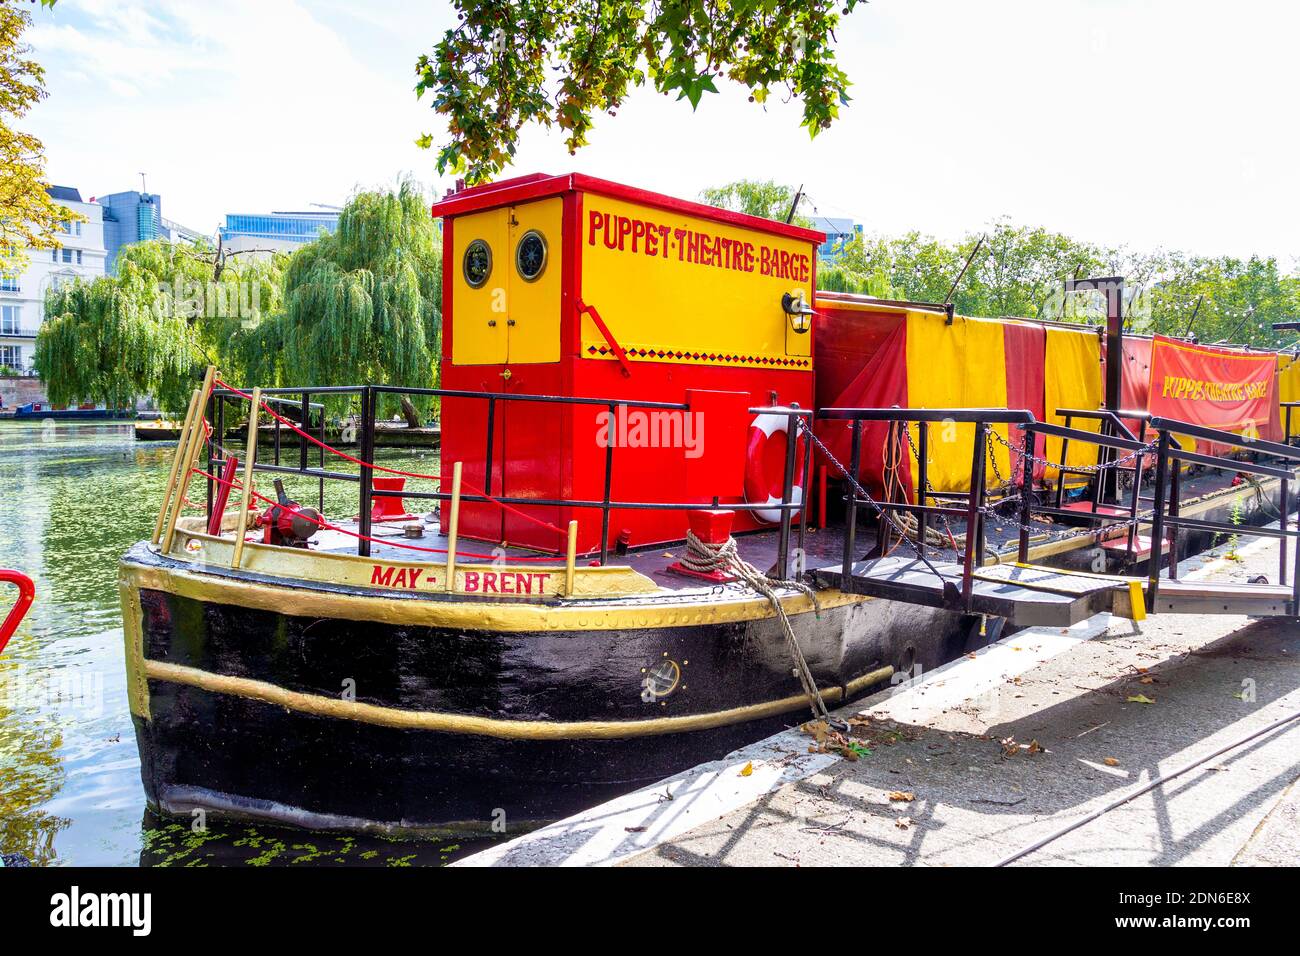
pixel 552 449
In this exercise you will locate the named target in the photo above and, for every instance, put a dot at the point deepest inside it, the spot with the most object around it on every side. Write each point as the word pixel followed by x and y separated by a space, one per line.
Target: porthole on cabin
pixel 478 263
pixel 530 255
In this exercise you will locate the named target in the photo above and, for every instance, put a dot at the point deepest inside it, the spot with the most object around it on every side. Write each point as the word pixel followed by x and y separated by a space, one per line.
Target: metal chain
pixel 929 492
pixel 991 434
pixel 860 492
pixel 1089 469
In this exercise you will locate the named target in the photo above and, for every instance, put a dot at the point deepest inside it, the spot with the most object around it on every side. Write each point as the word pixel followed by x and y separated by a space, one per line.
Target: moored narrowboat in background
pixel 87 411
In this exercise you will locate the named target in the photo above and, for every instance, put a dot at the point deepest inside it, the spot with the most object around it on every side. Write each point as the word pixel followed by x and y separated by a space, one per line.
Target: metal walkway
pixel 1025 595
pixel 1028 595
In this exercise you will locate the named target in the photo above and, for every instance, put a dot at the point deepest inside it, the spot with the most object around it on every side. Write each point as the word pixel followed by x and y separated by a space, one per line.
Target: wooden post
pixel 570 559
pixel 246 493
pixel 454 526
pixel 182 440
pixel 191 455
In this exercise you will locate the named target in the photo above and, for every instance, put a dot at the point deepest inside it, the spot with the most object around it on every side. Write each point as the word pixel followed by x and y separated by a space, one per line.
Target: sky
pixel 1148 123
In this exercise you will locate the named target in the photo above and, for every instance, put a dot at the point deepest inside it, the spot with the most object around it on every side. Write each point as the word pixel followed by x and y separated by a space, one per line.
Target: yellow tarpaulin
pixel 1072 379
pixel 962 365
pixel 1288 389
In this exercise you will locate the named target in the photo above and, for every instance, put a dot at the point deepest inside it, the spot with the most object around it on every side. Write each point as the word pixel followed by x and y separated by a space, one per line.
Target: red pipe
pixel 821 496
pixel 223 495
pixel 26 595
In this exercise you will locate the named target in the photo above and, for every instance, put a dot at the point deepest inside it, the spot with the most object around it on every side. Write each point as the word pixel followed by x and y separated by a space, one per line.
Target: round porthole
pixel 530 255
pixel 478 263
pixel 661 679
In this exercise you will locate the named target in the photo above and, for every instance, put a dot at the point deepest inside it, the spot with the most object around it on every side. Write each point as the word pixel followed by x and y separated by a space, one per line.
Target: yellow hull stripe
pixel 321 706
pixel 476 615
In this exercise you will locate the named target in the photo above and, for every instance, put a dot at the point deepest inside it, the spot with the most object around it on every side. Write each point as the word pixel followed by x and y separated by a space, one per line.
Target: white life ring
pixel 765 467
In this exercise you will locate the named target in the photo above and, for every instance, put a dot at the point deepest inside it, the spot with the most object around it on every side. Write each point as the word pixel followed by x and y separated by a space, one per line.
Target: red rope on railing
pixel 391 471
pixel 365 537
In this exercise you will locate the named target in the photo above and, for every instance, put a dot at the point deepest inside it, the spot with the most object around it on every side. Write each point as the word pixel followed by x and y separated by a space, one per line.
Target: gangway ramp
pixel 1030 595
pixel 1026 595
pixel 1199 597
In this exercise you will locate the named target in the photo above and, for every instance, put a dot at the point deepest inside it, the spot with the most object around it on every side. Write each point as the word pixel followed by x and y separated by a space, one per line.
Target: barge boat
pixel 684 500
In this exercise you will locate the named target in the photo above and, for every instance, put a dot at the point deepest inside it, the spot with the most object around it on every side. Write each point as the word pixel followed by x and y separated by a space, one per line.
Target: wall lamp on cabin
pixel 798 311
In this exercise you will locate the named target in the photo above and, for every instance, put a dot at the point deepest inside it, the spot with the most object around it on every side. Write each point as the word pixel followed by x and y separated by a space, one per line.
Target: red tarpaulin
pixel 882 383
pixel 1026 349
pixel 1215 387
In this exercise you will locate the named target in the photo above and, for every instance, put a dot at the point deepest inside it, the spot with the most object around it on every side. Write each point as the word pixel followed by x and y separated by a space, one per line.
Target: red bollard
pixel 26 595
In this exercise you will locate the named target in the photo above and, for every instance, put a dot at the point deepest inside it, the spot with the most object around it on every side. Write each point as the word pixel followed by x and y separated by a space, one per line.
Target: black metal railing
pixel 368 398
pixel 1287 409
pixel 1165 517
pixel 1115 444
pixel 976 506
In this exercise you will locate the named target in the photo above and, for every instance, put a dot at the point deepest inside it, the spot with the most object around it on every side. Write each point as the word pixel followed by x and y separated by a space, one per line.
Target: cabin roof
pixel 541 185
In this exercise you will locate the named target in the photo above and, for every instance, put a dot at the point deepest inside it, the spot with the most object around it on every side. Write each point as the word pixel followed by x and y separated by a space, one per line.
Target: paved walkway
pixel 998 751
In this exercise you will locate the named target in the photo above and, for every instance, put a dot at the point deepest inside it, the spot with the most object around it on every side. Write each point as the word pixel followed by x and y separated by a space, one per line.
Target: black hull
pixel 236 753
pixel 237 699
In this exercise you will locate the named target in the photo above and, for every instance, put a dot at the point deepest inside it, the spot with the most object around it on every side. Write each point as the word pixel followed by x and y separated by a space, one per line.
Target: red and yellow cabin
pixel 578 287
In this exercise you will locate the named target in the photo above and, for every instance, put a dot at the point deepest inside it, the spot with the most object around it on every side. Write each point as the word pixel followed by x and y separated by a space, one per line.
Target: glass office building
pixel 279 231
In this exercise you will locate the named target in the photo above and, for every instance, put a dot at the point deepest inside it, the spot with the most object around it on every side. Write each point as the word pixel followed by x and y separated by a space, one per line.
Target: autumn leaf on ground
pixel 1147 680
pixel 1139 699
pixel 1110 762
pixel 819 730
pixel 903 796
pixel 1034 747
pixel 747 770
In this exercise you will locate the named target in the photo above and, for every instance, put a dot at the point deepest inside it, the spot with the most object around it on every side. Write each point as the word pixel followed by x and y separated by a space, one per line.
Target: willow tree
pixel 360 305
pixel 149 330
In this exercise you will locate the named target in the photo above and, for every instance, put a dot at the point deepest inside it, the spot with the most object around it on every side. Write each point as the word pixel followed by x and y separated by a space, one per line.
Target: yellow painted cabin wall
pixel 664 303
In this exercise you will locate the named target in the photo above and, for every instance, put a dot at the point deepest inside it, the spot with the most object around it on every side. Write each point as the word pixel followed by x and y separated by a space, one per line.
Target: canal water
pixel 73 498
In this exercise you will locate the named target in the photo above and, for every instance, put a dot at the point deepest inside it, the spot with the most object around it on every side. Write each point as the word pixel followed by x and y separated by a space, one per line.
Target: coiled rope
pixel 706 558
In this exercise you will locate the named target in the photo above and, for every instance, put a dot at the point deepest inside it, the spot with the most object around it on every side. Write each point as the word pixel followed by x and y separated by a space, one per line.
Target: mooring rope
pixel 705 558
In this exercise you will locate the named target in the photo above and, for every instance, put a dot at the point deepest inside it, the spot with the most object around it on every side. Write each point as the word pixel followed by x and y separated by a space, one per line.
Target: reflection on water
pixel 73 498
pixel 168 842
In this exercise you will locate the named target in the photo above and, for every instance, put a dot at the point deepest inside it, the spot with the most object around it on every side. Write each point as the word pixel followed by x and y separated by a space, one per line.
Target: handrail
pixel 1116 419
pixel 989 416
pixel 1165 516
pixel 26 595
pixel 369 394
pixel 976 508
pixel 1083 435
pixel 1277 449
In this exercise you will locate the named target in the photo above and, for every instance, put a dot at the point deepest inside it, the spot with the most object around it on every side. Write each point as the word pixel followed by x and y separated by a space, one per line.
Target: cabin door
pixel 533 430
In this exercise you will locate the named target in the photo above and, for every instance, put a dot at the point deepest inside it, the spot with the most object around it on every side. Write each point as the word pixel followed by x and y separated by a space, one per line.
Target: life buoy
pixel 765 466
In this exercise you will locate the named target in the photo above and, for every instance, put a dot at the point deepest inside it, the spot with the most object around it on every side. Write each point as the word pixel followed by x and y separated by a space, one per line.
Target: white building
pixel 22 297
